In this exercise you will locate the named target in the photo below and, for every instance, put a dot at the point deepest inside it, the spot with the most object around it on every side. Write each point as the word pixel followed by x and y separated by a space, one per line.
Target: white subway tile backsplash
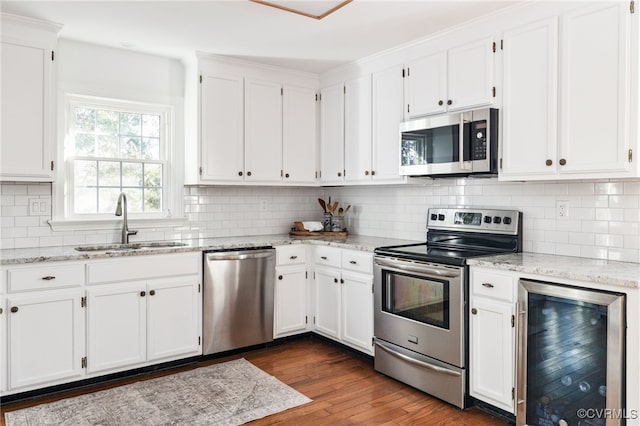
pixel 609 240
pixel 624 201
pixel 609 214
pixel 610 188
pixel 603 222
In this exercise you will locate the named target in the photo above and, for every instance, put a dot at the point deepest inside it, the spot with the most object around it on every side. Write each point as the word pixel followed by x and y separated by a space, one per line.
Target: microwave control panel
pixel 479 140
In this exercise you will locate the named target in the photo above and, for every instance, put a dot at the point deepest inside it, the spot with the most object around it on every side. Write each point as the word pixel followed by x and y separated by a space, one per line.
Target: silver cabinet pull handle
pixel 49 278
pixel 487 285
pixel 353 262
pixel 323 257
pixel 293 257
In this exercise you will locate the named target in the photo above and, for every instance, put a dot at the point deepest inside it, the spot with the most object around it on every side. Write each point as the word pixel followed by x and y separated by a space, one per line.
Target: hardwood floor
pixel 344 387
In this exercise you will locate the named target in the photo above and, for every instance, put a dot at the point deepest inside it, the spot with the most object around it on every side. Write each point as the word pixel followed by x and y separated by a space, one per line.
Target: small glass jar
pixel 326 221
pixel 336 224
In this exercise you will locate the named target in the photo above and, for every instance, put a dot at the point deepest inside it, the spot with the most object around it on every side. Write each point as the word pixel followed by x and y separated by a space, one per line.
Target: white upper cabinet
pixel 594 89
pixel 263 131
pixel 426 85
pixel 27 137
pixel 254 121
pixel 388 106
pixel 454 79
pixel 360 129
pixel 357 129
pixel 222 128
pixel 530 112
pixel 332 134
pixel 566 105
pixel 299 147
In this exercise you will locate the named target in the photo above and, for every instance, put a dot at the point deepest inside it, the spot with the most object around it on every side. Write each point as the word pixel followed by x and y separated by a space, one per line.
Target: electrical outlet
pixel 562 209
pixel 264 205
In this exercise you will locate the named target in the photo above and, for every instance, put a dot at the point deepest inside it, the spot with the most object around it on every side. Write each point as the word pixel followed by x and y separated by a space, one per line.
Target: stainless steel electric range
pixel 421 293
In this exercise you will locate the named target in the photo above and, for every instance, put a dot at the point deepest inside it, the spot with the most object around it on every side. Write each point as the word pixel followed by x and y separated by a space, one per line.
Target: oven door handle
pixel 418 362
pixel 419 269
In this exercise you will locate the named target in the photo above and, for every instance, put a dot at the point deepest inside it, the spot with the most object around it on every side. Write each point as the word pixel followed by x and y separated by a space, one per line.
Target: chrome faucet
pixel 122 199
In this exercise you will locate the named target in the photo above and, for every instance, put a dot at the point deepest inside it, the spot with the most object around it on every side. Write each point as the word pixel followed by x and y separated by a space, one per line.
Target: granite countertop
pixel 622 274
pixel 68 253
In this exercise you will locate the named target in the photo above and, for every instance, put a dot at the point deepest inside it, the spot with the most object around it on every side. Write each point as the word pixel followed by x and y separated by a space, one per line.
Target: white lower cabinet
pixel 45 338
pixel 172 318
pixel 132 323
pixel 492 338
pixel 116 324
pixel 136 311
pixel 344 296
pixel 327 303
pixel 291 291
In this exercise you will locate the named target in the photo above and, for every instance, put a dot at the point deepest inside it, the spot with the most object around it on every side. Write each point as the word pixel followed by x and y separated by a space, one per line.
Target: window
pixel 112 147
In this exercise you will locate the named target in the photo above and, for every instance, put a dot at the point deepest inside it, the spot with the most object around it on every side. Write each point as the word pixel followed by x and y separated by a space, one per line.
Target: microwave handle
pixel 461 144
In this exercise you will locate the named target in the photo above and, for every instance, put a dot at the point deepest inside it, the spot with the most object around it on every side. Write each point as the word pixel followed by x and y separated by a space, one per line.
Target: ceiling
pixel 249 30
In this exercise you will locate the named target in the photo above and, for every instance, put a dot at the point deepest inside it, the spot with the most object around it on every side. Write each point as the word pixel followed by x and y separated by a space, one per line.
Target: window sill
pixel 113 224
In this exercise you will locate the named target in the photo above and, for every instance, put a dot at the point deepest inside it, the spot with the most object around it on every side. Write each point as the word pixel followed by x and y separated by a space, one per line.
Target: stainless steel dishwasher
pixel 238 298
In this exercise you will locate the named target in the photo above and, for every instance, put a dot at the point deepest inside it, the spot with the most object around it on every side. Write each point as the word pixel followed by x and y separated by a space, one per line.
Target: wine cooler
pixel 570 355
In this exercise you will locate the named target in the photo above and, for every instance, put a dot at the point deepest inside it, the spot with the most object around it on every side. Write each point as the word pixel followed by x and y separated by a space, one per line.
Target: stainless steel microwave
pixel 457 144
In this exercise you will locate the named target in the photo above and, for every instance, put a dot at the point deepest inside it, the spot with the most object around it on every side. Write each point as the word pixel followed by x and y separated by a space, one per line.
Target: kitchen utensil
pixel 346 210
pixel 340 211
pixel 323 204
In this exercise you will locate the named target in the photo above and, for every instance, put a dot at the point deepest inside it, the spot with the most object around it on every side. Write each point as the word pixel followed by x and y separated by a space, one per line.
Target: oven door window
pixel 418 298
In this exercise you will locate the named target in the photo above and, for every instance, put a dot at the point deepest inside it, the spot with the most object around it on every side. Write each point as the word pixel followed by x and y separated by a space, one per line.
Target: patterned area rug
pixel 230 393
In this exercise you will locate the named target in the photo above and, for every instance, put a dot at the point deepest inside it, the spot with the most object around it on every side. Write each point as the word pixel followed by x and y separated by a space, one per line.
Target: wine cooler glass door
pixel 570 355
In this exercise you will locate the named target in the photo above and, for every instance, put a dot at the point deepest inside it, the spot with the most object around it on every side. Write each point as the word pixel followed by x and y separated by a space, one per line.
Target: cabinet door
pixel 173 318
pixel 222 128
pixel 116 326
pixel 3 345
pixel 492 352
pixel 332 134
pixel 299 148
pixel 595 89
pixel 46 337
pixel 530 123
pixel 470 75
pixel 290 301
pixel 263 131
pixel 357 310
pixel 388 101
pixel 328 302
pixel 357 129
pixel 426 85
pixel 26 133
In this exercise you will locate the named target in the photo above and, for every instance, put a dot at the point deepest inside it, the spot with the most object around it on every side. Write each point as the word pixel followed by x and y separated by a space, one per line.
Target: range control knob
pixel 487 219
pixel 440 217
pixel 497 219
pixel 506 220
pixel 434 216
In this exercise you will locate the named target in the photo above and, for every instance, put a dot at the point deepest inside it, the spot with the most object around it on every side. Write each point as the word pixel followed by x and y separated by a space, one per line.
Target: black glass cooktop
pixel 426 253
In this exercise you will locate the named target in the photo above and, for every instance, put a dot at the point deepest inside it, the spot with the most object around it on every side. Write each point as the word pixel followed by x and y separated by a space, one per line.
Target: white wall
pixel 603 221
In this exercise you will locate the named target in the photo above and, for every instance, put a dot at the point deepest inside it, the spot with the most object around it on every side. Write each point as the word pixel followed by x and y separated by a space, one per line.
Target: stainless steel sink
pixel 130 246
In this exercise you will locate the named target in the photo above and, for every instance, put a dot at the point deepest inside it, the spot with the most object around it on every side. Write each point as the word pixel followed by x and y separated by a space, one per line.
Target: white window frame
pixel 65 219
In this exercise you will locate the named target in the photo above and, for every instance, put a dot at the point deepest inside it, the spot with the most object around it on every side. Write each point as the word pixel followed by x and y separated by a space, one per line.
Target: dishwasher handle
pixel 240 255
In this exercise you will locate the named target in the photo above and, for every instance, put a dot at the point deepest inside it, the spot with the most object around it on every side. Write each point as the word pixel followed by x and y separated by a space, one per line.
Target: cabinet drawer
pixel 290 255
pixel 493 285
pixel 329 256
pixel 46 277
pixel 144 267
pixel 358 261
